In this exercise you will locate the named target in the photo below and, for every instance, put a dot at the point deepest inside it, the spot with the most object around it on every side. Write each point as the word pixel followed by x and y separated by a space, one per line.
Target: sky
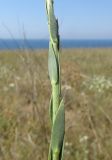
pixel 78 19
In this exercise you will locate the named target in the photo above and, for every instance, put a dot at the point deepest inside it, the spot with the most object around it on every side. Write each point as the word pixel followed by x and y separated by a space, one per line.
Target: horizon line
pixel 47 39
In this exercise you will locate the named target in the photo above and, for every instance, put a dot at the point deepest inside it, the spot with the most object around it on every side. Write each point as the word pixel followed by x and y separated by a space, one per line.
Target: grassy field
pixel 24 99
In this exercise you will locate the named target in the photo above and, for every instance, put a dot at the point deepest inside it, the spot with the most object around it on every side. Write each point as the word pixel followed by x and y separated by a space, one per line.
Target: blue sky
pixel 78 19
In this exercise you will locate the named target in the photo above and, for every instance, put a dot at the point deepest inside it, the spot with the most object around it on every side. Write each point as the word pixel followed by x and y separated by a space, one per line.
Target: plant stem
pixel 57 112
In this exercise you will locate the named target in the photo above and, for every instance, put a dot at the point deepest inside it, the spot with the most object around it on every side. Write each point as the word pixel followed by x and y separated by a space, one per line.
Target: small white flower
pixel 83 139
pixel 68 144
pixel 98 83
pixel 11 85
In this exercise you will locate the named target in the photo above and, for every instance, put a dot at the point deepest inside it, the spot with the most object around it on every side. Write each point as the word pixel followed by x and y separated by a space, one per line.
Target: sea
pixel 44 44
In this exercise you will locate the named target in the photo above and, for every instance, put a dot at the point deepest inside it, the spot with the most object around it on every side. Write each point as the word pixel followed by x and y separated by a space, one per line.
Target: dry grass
pixel 24 100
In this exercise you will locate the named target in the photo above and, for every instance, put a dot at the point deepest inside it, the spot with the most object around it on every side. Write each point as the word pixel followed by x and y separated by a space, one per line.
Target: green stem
pixel 57 112
pixel 56 99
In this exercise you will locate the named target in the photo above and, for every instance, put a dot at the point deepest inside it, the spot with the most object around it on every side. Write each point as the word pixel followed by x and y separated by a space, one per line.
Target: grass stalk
pixel 57 112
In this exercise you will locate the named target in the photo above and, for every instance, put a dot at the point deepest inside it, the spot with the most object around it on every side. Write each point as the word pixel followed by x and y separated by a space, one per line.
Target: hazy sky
pixel 78 19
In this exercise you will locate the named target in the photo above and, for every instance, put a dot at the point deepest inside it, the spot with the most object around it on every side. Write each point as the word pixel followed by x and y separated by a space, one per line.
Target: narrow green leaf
pixel 53 28
pixel 62 151
pixel 53 23
pixel 52 65
pixel 58 130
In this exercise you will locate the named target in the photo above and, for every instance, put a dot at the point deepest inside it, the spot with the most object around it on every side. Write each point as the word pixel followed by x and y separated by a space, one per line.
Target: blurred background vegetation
pixel 24 100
